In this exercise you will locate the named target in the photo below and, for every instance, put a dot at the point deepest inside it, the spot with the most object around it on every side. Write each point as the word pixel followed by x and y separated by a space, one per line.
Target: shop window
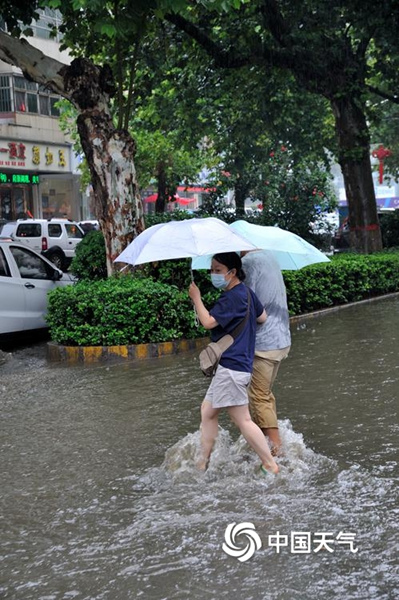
pixel 19 203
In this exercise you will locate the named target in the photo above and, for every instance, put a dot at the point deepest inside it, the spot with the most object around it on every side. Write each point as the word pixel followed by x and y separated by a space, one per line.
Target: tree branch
pixel 223 58
pixel 274 21
pixel 33 63
pixel 258 54
pixel 382 94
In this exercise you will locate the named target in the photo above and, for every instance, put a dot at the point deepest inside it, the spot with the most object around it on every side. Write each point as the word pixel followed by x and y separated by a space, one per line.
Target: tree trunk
pixel 240 194
pixel 354 158
pixel 160 203
pixel 109 151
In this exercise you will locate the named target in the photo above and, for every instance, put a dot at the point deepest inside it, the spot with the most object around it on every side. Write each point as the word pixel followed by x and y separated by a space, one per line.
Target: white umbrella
pixel 290 250
pixel 183 239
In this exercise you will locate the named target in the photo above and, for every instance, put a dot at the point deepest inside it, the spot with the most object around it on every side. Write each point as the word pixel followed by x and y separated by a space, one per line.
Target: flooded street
pixel 100 498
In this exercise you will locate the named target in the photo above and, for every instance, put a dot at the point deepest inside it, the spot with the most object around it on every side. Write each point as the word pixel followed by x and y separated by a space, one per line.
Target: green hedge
pixel 131 309
pixel 347 278
pixel 120 311
pixel 90 261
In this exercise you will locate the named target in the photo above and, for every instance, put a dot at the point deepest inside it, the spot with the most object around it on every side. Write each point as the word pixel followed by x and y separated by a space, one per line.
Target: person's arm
pixel 262 317
pixel 205 318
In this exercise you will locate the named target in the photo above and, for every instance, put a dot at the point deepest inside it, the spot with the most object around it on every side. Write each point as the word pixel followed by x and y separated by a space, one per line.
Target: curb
pixel 327 311
pixel 92 354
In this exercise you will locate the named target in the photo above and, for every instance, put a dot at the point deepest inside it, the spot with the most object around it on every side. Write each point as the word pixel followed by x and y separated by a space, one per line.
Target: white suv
pixel 56 239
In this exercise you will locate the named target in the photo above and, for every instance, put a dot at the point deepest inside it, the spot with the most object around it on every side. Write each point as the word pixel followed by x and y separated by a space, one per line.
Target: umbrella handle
pixel 196 319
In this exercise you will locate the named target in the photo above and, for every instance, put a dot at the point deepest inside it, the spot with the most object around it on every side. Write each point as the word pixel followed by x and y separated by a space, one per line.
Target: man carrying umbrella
pixel 273 339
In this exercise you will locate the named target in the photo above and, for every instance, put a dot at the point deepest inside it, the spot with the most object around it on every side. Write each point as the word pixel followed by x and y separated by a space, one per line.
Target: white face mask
pixel 219 281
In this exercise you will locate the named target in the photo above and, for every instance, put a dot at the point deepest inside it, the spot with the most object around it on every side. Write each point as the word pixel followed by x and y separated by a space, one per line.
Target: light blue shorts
pixel 228 388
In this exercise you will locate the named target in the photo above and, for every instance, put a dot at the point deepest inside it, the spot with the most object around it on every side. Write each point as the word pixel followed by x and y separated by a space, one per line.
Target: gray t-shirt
pixel 263 276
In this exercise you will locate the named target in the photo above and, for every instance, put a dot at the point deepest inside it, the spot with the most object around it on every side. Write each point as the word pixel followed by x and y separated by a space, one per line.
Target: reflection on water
pixel 100 497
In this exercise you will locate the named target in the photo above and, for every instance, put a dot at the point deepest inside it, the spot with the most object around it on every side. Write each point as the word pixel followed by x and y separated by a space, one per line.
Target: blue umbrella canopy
pixel 290 250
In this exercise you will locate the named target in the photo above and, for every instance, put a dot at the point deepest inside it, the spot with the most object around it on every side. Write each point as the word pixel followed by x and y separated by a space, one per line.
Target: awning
pixel 177 199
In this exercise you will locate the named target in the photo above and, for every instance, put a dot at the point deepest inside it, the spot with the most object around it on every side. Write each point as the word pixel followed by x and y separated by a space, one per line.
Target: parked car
pixel 56 239
pixel 341 239
pixel 26 277
pixel 89 225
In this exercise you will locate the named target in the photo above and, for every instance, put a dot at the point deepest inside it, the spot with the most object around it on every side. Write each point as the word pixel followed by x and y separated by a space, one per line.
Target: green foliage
pixel 120 311
pixel 89 261
pixel 389 223
pixel 347 278
pixel 132 310
pixel 176 215
pixel 15 13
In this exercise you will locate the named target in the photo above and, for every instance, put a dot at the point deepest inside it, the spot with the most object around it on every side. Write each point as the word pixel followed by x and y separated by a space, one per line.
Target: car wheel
pixel 57 259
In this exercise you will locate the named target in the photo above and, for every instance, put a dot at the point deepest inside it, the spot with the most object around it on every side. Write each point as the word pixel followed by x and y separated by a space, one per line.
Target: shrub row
pixel 347 278
pixel 137 309
pixel 119 311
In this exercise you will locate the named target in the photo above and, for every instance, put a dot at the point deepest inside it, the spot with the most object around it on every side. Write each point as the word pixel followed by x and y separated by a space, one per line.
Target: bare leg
pixel 209 431
pixel 274 437
pixel 254 436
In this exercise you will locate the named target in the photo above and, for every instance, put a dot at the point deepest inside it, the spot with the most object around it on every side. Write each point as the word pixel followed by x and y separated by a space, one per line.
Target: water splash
pixel 236 458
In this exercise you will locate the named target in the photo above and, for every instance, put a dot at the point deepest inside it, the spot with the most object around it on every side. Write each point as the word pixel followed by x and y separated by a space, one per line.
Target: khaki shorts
pixel 228 388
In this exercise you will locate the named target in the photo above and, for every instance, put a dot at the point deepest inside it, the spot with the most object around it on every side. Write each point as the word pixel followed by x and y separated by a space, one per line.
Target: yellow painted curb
pixel 93 354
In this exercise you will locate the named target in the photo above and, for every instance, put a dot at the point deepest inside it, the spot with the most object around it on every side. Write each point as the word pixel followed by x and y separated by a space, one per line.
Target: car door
pixel 12 298
pixel 36 277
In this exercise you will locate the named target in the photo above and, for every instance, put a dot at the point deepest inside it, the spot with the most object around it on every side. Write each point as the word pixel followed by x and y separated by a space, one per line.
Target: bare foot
pixel 202 464
pixel 276 451
pixel 270 470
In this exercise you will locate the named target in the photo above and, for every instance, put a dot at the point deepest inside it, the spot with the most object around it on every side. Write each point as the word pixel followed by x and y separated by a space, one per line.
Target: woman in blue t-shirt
pixel 228 388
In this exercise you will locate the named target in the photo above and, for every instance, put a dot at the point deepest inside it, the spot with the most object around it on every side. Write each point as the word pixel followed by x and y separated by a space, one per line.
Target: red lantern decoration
pixel 381 153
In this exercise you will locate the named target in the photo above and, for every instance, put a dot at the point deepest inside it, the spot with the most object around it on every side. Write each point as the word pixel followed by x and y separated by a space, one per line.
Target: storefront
pixel 36 180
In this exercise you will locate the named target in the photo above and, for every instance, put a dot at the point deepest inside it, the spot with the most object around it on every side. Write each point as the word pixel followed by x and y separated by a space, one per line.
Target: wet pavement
pixel 100 498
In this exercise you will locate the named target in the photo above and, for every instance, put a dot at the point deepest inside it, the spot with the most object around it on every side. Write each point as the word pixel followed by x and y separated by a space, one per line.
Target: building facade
pixel 37 166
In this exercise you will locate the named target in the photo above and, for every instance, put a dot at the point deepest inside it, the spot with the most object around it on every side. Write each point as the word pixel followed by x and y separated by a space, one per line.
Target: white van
pixel 56 239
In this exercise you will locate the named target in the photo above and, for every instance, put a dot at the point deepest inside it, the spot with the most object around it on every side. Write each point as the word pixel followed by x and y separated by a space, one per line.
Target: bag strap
pixel 237 330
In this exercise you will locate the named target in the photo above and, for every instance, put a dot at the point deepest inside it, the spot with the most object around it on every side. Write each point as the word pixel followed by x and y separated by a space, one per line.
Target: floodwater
pixel 100 498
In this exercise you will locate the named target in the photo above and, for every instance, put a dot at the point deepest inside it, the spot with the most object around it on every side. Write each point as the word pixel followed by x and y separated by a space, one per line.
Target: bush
pixel 389 223
pixel 89 261
pixel 131 310
pixel 347 278
pixel 120 311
